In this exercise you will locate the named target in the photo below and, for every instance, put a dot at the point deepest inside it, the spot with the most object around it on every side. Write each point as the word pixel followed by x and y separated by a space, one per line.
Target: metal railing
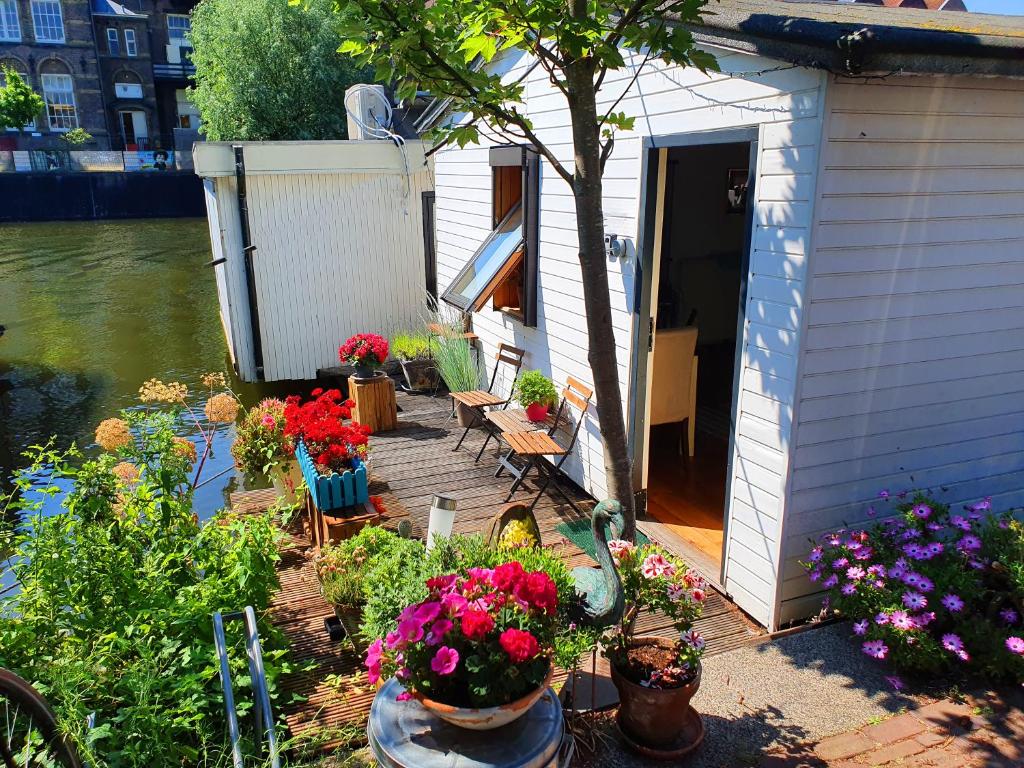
pixel 262 713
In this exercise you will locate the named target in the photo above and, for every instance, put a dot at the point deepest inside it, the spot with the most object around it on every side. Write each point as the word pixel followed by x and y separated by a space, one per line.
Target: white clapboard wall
pixel 339 249
pixel 785 103
pixel 912 367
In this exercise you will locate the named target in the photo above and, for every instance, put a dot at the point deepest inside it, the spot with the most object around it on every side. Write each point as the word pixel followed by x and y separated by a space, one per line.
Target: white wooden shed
pixel 850 248
pixel 325 240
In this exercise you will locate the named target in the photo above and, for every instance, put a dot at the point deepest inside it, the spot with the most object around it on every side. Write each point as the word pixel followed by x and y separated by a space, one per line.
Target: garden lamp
pixel 442 518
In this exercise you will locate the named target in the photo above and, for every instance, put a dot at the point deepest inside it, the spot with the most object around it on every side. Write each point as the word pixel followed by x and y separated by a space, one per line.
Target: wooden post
pixel 376 406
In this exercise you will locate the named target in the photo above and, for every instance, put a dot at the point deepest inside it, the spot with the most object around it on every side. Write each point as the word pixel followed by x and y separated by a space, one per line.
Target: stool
pixel 402 734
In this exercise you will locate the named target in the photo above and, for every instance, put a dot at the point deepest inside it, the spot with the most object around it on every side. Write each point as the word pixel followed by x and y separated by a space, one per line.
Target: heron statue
pixel 600 602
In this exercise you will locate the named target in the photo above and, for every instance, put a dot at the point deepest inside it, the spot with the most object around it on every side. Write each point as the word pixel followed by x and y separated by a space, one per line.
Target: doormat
pixel 580 534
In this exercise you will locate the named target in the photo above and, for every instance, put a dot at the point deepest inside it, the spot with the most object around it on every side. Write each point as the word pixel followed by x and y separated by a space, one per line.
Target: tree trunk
pixel 587 190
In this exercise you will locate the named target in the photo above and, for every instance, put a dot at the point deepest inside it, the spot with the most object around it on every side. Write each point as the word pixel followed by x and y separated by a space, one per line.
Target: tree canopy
pixel 269 70
pixel 445 46
pixel 19 104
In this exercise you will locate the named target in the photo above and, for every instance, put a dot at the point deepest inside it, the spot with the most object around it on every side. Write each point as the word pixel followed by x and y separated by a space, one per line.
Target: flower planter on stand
pixel 485 718
pixel 658 722
pixel 339 504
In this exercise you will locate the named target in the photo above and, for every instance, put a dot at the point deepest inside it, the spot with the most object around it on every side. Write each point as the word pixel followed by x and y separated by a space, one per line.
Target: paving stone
pixel 930 738
pixel 844 745
pixel 896 751
pixel 945 714
pixel 896 729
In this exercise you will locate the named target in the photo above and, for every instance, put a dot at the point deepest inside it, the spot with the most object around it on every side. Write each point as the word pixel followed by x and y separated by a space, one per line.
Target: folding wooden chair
pixel 479 399
pixel 529 447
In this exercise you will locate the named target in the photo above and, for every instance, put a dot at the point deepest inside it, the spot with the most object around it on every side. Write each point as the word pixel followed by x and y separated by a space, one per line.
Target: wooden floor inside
pixel 686 495
pixel 409 465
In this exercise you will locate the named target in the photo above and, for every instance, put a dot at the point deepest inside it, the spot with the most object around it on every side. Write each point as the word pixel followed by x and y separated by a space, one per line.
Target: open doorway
pixel 700 262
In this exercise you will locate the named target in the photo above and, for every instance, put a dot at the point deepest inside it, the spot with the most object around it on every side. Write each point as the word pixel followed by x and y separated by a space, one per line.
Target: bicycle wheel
pixel 29 736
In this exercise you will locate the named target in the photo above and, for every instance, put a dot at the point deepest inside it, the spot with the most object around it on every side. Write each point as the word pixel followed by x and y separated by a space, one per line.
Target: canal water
pixel 92 310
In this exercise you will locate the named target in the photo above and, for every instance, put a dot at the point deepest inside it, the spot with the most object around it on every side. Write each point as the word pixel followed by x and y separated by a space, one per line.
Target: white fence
pixel 338 247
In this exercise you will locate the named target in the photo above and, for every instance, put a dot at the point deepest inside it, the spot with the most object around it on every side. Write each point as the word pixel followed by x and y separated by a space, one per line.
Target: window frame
pixel 45 8
pixel 62 115
pixel 9 8
pixel 131 44
pixel 186 28
pixel 113 42
pixel 475 302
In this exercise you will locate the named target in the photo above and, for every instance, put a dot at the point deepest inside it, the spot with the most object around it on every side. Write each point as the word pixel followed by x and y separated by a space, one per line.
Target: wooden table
pixel 514 420
pixel 376 407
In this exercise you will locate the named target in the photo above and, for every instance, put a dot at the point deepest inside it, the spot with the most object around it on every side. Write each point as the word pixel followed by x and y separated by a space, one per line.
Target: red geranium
pixel 539 591
pixel 320 424
pixel 519 645
pixel 507 576
pixel 476 624
pixel 364 349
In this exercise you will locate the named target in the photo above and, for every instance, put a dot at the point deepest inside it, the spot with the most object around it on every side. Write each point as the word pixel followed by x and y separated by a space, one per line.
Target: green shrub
pixel 411 346
pixel 534 387
pixel 929 589
pixel 113 611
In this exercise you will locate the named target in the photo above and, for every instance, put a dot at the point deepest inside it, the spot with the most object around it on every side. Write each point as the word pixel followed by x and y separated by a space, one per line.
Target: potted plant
pixel 331 454
pixel 536 393
pixel 366 351
pixel 455 361
pixel 477 651
pixel 414 355
pixel 262 447
pixel 656 676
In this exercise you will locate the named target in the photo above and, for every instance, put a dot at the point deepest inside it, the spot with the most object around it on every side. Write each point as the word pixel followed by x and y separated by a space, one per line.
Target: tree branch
pixel 627 89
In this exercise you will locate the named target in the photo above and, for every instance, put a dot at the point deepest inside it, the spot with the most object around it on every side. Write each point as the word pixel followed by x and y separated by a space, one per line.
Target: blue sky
pixel 1015 7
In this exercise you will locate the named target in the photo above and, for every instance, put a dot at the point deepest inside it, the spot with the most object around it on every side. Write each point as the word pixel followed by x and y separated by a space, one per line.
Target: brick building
pixel 116 69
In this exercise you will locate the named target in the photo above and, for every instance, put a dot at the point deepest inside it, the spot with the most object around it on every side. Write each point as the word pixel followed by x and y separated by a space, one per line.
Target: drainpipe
pixel 247 251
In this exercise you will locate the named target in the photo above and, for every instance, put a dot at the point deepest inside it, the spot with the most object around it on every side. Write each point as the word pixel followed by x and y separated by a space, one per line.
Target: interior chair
pixel 527 449
pixel 479 399
pixel 674 382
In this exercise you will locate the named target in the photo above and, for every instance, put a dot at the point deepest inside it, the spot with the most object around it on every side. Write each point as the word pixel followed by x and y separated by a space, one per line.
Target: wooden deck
pixel 408 466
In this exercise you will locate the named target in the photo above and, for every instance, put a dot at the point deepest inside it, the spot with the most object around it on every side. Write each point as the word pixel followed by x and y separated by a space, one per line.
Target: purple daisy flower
pixel 814 575
pixel 861 627
pixel 1009 615
pixel 877 570
pixel 830 582
pixel 840 563
pixel 876 649
pixel 912 579
pixel 848 589
pixel 882 619
pixel 915 601
pixel 816 555
pixel 969 543
pixel 925 584
pixel 961 522
pixel 921 511
pixel 901 620
pixel 953 603
pixel 883 494
pixel 855 572
pixel 1015 645
pixel 952 642
pixel 935 548
pixel 925 619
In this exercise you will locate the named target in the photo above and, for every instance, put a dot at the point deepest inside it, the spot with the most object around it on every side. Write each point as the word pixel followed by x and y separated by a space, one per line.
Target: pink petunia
pixel 427 612
pixel 445 660
pixel 438 630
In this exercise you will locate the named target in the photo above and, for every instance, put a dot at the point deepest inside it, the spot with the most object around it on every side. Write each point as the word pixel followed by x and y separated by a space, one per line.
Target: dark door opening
pixel 702 267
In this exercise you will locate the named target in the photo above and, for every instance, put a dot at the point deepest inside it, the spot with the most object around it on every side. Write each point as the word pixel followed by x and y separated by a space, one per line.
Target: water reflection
pixel 93 309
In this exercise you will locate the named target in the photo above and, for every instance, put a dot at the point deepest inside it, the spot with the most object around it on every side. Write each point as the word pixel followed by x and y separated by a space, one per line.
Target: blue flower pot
pixel 337 491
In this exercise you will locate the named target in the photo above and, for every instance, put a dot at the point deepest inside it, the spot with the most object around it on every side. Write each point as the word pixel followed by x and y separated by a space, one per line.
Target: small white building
pixel 840 214
pixel 314 241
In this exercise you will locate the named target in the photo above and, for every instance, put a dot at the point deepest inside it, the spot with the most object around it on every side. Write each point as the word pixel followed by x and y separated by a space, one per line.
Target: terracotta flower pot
pixel 485 718
pixel 464 415
pixel 654 717
pixel 286 477
pixel 537 411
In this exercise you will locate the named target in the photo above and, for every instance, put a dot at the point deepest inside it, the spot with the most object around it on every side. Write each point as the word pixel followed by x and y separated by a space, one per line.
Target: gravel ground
pixel 799 688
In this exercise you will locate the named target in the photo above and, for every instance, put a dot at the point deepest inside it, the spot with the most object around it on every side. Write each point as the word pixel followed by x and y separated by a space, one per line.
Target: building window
pixel 47 21
pixel 10 30
pixel 130 46
pixel 178 27
pixel 59 95
pixel 504 268
pixel 31 124
pixel 113 42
